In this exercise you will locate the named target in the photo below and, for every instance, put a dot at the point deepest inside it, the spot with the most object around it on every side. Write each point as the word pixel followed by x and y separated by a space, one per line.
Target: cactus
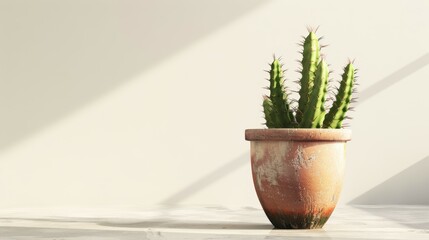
pixel 337 113
pixel 311 111
pixel 276 107
pixel 310 59
pixel 315 111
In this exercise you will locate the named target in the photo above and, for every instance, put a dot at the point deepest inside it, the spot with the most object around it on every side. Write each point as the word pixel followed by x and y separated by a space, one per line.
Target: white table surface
pixel 349 222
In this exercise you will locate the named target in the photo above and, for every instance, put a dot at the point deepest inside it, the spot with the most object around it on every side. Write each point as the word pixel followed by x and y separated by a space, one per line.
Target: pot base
pixel 298 220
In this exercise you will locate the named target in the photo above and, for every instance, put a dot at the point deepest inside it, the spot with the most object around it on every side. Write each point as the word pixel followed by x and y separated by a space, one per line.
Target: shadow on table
pixel 156 223
pixel 160 229
pixel 33 233
pixel 165 223
pixel 60 233
pixel 272 233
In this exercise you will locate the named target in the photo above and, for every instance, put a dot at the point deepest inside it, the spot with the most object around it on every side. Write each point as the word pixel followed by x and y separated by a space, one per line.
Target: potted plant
pixel 298 162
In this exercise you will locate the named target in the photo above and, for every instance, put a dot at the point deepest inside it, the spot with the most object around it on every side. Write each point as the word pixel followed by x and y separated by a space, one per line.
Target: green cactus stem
pixel 276 107
pixel 268 109
pixel 339 108
pixel 310 109
pixel 315 112
pixel 310 59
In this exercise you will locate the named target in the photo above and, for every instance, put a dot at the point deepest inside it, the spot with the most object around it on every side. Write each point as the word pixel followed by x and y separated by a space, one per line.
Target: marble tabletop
pixel 207 222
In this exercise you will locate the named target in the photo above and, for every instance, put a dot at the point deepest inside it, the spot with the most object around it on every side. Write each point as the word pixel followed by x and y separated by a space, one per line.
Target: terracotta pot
pixel 298 173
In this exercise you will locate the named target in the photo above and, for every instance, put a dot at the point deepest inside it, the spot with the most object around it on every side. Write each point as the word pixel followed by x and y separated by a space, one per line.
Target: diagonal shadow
pixel 407 187
pixel 205 181
pixel 393 78
pixel 56 56
pixel 365 95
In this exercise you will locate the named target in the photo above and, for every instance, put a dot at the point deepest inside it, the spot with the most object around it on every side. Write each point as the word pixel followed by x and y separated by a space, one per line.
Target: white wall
pixel 146 102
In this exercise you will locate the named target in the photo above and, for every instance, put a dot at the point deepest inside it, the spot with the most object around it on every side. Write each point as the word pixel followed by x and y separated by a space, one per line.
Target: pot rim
pixel 298 134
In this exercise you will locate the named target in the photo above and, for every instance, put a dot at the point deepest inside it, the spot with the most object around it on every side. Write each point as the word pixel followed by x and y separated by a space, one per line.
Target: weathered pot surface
pixel 298 173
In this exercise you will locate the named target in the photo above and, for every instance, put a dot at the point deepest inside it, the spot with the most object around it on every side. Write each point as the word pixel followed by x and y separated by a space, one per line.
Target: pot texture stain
pixel 298 177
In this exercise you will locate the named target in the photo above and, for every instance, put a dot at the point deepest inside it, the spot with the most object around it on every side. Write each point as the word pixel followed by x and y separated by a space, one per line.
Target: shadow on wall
pixel 408 187
pixel 207 180
pixel 56 56
pixel 394 78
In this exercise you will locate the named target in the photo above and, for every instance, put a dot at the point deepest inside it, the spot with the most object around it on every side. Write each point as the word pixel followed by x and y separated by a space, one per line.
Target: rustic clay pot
pixel 298 173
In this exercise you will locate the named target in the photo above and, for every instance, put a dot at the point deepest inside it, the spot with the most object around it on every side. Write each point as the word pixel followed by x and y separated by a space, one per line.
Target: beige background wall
pixel 108 103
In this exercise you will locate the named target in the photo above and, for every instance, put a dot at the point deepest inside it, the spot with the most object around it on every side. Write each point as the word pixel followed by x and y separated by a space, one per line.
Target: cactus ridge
pixel 268 109
pixel 343 99
pixel 315 90
pixel 315 113
pixel 310 59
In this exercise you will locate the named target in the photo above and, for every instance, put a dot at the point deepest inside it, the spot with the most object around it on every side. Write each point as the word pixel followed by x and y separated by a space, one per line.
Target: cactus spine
pixel 311 111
